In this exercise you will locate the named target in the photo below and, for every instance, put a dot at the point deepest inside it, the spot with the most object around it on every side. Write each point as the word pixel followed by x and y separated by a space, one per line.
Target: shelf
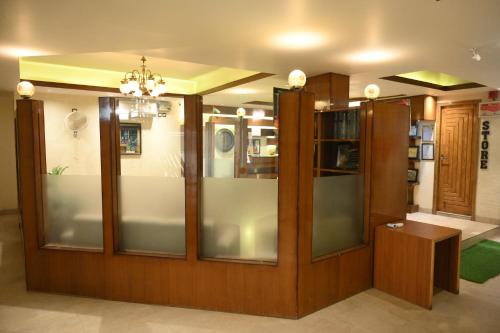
pixel 337 140
pixel 352 172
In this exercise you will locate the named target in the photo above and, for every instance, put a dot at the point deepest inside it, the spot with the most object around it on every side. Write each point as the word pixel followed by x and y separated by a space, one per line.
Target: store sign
pixel 489 109
pixel 485 132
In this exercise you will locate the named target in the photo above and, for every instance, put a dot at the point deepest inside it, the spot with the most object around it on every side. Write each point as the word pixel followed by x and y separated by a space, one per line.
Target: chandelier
pixel 142 81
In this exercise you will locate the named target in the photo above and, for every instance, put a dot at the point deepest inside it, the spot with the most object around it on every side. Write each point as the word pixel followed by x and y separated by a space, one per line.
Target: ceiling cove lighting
pixel 17 52
pixel 372 91
pixel 299 40
pixel 297 79
pixel 372 56
pixel 142 81
pixel 433 80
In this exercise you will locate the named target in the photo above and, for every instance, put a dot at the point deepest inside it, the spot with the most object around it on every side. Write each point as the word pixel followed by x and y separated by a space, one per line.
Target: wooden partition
pixel 292 287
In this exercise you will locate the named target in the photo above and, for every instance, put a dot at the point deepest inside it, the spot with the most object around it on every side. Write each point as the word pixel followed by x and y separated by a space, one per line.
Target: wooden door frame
pixel 475 151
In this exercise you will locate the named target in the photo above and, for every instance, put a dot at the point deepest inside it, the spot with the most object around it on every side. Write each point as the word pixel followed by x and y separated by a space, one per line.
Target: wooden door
pixel 456 183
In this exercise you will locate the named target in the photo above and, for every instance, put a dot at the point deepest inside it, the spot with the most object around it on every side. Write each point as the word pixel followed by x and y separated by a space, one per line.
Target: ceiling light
pixel 297 79
pixel 299 40
pixel 17 52
pixel 25 89
pixel 372 56
pixel 142 81
pixel 372 91
pixel 475 54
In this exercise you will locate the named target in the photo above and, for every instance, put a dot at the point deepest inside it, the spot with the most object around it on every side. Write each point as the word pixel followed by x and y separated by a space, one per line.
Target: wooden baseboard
pixel 9 212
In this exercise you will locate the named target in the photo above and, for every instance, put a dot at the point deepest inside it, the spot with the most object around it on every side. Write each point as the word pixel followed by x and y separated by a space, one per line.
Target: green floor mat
pixel 481 261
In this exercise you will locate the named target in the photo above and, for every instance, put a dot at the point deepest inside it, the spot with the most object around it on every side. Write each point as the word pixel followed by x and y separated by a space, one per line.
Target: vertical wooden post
pixel 29 180
pixel 193 169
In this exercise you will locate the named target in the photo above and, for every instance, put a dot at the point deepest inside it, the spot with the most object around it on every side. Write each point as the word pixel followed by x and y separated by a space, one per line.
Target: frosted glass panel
pixel 152 214
pixel 71 185
pixel 73 210
pixel 337 213
pixel 240 218
pixel 151 185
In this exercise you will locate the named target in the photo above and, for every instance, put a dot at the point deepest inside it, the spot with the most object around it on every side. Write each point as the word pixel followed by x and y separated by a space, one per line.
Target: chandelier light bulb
pixel 155 92
pixel 124 87
pixel 25 89
pixel 297 79
pixel 240 112
pixel 162 88
pixel 133 85
pixel 150 84
pixel 372 91
pixel 138 93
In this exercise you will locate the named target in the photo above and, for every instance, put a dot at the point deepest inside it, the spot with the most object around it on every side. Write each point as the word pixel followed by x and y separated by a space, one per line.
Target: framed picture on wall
pixel 130 139
pixel 413 152
pixel 413 130
pixel 412 175
pixel 428 133
pixel 256 146
pixel 428 151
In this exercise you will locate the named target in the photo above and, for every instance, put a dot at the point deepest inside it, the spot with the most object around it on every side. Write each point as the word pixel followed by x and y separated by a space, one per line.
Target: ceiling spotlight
pixel 475 54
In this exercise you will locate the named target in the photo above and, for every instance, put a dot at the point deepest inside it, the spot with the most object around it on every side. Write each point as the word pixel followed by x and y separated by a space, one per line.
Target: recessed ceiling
pixel 436 78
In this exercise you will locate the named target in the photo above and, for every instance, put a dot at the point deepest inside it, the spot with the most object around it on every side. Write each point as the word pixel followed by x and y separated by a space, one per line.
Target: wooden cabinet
pixel 423 107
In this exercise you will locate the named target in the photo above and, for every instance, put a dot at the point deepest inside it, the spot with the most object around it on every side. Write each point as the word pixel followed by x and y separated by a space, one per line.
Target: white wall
pixel 8 183
pixel 80 154
pixel 161 139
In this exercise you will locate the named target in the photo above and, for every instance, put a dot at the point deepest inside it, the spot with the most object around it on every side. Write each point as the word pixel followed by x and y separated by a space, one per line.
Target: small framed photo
pixel 428 151
pixel 428 133
pixel 412 175
pixel 413 152
pixel 130 139
pixel 256 146
pixel 413 130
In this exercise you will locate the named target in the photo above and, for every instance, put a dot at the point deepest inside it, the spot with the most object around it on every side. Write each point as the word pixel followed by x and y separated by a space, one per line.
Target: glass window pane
pixel 72 200
pixel 240 183
pixel 151 179
pixel 338 193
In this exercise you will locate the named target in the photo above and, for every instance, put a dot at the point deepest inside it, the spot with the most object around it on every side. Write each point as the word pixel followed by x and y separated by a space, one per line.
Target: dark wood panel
pixel 260 289
pixel 389 160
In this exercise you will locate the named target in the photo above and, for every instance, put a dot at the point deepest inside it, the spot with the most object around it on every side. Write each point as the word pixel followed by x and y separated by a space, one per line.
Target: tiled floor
pixel 469 228
pixel 476 309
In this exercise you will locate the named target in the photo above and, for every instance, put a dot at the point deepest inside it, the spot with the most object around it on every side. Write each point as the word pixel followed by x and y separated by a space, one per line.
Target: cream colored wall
pixel 8 183
pixel 161 139
pixel 488 182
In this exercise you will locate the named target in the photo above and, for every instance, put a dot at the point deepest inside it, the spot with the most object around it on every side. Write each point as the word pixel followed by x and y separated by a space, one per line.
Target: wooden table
pixel 411 260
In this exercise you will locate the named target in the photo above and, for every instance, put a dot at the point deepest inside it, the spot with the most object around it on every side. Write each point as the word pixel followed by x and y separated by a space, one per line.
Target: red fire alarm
pixel 493 95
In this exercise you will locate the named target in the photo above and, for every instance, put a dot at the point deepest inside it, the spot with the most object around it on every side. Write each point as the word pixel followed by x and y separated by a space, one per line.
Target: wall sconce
pixel 297 79
pixel 372 91
pixel 25 89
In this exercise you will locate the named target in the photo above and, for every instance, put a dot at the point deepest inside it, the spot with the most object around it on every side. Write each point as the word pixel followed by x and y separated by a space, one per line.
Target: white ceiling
pixel 416 34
